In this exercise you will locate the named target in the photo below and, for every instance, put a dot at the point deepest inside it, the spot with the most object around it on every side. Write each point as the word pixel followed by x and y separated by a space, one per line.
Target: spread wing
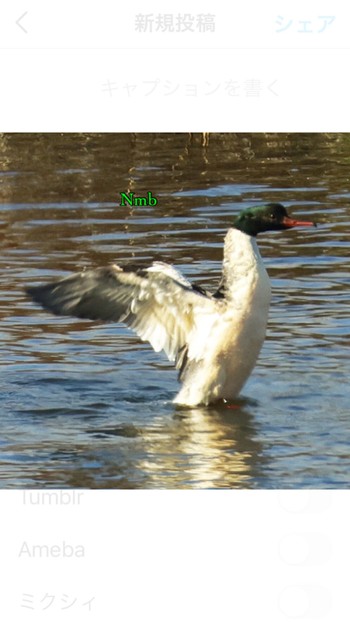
pixel 158 303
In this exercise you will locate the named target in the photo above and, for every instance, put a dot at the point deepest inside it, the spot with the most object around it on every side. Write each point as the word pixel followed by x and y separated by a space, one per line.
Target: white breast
pixel 228 345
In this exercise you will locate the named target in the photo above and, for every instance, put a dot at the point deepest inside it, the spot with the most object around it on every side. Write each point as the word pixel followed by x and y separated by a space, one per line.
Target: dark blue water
pixel 85 404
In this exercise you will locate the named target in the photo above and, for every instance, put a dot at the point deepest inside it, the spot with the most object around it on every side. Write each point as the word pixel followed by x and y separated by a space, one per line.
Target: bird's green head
pixel 270 217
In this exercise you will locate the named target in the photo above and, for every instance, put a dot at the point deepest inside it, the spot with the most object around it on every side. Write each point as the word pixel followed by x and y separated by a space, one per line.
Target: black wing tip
pixel 41 295
pixel 62 298
pixel 36 292
pixel 33 293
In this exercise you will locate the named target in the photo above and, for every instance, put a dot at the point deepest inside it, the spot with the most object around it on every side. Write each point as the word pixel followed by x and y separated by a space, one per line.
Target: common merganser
pixel 214 339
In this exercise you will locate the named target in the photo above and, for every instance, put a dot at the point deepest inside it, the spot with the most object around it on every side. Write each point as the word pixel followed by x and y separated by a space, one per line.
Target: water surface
pixel 85 404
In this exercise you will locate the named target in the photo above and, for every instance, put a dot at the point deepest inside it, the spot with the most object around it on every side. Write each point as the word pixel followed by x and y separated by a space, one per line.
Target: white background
pixel 58 58
pixel 163 555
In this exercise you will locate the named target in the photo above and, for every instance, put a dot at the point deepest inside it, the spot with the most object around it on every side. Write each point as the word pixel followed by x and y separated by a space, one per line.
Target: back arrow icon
pixel 20 25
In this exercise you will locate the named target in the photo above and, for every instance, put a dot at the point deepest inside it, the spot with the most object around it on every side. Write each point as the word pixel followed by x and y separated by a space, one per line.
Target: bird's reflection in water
pixel 204 448
pixel 164 447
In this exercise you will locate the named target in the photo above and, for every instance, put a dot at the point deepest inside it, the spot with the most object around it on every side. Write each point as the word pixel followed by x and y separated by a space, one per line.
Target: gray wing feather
pixel 159 308
pixel 87 295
